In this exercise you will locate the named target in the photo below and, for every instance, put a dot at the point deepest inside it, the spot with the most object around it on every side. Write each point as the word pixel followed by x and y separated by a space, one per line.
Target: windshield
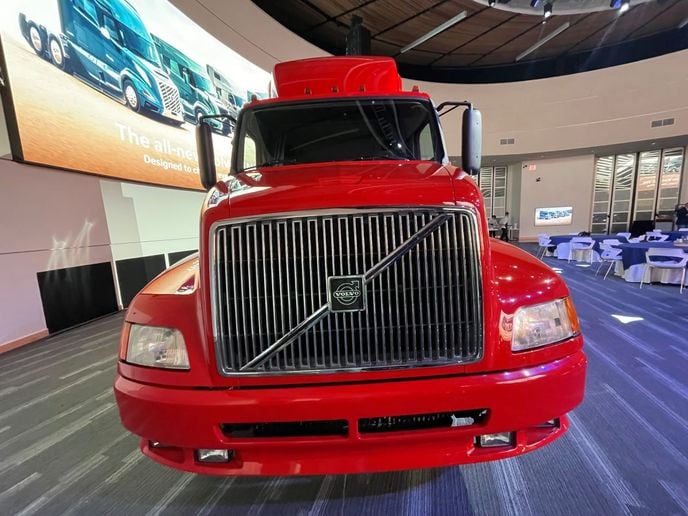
pixel 202 82
pixel 142 47
pixel 342 130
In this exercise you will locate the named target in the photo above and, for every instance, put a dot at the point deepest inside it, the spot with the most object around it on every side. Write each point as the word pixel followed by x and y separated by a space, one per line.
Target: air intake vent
pixel 507 141
pixel 660 123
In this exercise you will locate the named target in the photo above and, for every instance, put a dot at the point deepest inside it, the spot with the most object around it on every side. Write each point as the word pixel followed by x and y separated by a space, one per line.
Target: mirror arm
pixel 206 117
pixel 454 104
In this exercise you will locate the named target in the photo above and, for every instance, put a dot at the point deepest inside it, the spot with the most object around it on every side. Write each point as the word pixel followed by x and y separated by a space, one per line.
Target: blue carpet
pixel 63 450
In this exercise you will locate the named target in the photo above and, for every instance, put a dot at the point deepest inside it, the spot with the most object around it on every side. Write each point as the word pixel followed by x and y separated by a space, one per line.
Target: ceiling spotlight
pixel 491 3
pixel 625 6
pixel 548 10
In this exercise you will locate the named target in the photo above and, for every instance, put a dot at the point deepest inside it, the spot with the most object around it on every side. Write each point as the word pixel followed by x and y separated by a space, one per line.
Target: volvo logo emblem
pixel 346 293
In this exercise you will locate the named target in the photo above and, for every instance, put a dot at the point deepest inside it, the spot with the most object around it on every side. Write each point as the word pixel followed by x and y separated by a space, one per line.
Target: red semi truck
pixel 347 311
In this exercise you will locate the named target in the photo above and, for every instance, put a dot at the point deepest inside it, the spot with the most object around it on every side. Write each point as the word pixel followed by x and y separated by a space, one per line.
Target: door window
pixel 427 150
pixel 88 8
pixel 110 26
pixel 249 152
pixel 604 172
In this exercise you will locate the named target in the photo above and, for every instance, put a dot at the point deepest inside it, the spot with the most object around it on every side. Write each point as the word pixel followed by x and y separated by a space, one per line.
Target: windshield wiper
pixel 270 163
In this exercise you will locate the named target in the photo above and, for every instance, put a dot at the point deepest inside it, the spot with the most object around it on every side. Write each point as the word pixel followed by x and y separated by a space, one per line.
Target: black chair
pixel 640 227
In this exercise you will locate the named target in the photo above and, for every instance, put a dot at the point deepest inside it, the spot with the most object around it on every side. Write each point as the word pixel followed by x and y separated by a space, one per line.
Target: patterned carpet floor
pixel 64 451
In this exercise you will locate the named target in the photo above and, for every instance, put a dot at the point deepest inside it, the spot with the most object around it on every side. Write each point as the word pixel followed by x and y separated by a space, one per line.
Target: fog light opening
pixel 158 445
pixel 552 423
pixel 207 455
pixel 496 440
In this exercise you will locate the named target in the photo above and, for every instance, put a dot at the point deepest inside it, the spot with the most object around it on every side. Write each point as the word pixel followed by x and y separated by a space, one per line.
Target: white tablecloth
pixel 635 273
pixel 562 252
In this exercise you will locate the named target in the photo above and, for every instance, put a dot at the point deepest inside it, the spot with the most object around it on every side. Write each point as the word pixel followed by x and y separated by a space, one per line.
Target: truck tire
pixel 131 96
pixel 57 56
pixel 36 39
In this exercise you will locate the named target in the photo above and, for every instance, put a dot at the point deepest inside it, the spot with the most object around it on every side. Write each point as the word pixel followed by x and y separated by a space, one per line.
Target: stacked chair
pixel 609 255
pixel 581 245
pixel 543 243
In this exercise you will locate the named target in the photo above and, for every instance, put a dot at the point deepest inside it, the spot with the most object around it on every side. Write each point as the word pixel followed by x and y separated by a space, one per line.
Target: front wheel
pixel 131 96
pixel 57 56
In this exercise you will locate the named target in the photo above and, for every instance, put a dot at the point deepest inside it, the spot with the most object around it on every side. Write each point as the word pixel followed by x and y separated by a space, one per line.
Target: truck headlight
pixel 154 346
pixel 546 323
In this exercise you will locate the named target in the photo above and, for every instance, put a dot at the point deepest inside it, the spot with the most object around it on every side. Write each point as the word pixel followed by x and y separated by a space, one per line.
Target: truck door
pixel 186 90
pixel 112 55
pixel 87 41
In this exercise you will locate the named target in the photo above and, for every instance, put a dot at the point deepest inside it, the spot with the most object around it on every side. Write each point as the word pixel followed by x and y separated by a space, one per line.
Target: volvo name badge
pixel 346 293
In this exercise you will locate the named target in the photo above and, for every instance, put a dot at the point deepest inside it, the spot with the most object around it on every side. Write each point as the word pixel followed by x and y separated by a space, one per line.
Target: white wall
pixel 48 220
pixel 145 220
pixel 563 182
pixel 52 219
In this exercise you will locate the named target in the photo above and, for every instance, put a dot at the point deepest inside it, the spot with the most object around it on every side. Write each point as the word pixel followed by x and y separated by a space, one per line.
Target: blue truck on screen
pixel 106 44
pixel 198 95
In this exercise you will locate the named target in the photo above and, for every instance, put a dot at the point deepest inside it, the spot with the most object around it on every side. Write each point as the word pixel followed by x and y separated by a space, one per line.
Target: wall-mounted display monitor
pixel 115 87
pixel 561 216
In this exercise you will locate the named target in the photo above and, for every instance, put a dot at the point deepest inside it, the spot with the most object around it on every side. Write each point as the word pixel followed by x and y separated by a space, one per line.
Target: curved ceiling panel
pixel 510 41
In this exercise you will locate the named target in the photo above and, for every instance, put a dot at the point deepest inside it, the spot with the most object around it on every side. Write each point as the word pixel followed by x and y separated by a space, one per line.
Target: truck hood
pixel 339 185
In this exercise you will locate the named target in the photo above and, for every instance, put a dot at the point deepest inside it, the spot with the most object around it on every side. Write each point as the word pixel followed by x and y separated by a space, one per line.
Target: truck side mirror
pixel 206 155
pixel 471 140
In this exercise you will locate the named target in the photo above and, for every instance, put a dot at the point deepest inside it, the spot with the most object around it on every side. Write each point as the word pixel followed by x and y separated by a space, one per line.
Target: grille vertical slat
pixel 170 98
pixel 272 274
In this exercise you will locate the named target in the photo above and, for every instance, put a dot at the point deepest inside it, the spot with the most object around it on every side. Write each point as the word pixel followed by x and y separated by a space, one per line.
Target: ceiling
pixel 485 46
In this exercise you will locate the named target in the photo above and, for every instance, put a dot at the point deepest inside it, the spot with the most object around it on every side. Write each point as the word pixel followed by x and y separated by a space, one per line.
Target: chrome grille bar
pixel 269 298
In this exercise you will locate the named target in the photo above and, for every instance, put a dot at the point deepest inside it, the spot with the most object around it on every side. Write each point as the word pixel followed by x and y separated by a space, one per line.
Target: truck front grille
pixel 170 98
pixel 270 299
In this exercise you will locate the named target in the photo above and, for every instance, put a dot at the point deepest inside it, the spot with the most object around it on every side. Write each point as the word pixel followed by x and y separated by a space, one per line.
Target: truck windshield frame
pixel 138 44
pixel 337 130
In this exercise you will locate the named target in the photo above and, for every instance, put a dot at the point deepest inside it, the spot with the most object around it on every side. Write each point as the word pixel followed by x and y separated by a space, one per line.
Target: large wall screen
pixel 561 216
pixel 115 87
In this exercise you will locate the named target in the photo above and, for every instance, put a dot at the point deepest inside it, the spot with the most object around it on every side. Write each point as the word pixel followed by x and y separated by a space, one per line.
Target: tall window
pixel 492 182
pixel 639 186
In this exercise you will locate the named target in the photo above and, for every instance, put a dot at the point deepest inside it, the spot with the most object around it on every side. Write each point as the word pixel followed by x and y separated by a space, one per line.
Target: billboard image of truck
pixel 90 91
pixel 226 91
pixel 197 93
pixel 106 44
pixel 560 216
